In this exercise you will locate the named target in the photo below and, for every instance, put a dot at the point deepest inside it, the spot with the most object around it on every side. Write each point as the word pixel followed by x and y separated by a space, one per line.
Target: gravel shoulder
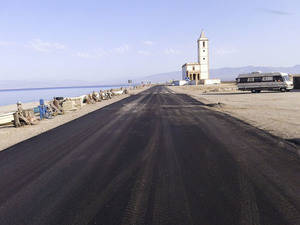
pixel 274 112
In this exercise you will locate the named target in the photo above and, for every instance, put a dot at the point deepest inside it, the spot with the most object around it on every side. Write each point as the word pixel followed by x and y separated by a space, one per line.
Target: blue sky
pixel 117 40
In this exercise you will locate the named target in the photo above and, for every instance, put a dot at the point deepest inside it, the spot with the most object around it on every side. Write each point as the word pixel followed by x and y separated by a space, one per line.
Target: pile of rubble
pixel 58 106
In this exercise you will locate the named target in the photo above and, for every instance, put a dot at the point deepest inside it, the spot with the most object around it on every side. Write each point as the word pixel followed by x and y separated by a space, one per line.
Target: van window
pixel 286 78
pixel 243 80
pixel 267 79
pixel 251 79
pixel 277 78
pixel 257 79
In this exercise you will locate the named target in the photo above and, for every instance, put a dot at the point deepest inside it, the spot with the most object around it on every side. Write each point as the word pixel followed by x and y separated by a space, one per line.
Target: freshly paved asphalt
pixel 153 158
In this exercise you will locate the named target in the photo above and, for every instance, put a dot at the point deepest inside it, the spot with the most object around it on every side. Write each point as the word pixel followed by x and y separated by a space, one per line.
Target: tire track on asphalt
pixel 171 205
pixel 135 211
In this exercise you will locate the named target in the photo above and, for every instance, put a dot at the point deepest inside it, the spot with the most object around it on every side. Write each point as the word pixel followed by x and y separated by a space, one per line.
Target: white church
pixel 198 73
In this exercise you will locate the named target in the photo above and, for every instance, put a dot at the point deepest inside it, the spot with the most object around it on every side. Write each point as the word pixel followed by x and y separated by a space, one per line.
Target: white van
pixel 257 81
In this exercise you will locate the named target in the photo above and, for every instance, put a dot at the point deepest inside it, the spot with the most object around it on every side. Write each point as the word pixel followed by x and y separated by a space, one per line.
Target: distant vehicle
pixel 257 81
pixel 179 82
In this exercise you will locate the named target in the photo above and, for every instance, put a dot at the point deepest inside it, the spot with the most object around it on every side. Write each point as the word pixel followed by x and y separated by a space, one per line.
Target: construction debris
pixel 96 96
pixel 23 117
pixel 69 105
pixel 119 92
pixel 79 101
pixel 58 106
pixel 6 119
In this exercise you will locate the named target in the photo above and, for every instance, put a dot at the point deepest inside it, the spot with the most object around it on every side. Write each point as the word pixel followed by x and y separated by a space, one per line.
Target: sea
pixel 12 96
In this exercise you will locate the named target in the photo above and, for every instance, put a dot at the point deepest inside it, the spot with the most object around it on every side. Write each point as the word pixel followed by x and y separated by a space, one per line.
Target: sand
pixel 275 112
pixel 10 135
pixel 12 108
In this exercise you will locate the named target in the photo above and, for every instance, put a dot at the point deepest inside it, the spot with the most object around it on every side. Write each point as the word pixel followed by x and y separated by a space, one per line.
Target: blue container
pixel 36 110
pixel 42 102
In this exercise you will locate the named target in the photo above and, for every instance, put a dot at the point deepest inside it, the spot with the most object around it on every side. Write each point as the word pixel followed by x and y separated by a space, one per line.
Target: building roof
pixel 190 64
pixel 260 74
pixel 202 36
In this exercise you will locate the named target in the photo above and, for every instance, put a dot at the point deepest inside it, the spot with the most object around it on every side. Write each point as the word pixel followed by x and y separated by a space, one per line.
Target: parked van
pixel 257 81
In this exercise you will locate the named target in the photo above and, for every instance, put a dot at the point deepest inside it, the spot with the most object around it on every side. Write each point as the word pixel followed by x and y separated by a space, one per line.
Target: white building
pixel 199 72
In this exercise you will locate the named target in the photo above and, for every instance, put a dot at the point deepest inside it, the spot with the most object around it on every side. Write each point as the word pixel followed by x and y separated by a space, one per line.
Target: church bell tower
pixel 203 56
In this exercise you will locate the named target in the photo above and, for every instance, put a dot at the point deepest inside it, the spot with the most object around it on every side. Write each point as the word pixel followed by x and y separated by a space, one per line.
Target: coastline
pixel 62 87
pixel 27 95
pixel 11 135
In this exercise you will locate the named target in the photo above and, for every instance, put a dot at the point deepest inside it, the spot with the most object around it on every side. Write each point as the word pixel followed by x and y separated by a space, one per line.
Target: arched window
pixel 203 44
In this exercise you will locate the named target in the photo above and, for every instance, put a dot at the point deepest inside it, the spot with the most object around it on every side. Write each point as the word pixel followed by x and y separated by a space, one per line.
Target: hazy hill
pixel 225 74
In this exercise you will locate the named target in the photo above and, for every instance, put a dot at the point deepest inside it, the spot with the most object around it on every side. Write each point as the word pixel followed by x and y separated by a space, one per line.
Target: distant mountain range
pixel 225 74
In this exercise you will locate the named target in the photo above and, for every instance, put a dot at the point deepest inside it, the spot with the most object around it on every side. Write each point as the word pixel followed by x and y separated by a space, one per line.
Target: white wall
pixel 183 72
pixel 190 67
pixel 203 58
pixel 180 82
pixel 202 52
pixel 212 81
pixel 204 72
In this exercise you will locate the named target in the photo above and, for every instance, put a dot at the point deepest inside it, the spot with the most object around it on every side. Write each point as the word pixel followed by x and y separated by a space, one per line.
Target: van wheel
pixel 253 91
pixel 282 89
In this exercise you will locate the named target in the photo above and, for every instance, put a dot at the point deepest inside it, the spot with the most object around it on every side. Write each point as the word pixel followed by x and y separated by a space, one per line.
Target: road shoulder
pixel 277 118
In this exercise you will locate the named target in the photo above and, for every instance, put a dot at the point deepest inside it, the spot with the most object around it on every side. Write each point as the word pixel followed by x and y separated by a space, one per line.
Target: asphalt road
pixel 153 158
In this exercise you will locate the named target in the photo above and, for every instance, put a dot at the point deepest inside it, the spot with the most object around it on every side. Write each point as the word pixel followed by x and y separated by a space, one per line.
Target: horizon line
pixel 65 87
